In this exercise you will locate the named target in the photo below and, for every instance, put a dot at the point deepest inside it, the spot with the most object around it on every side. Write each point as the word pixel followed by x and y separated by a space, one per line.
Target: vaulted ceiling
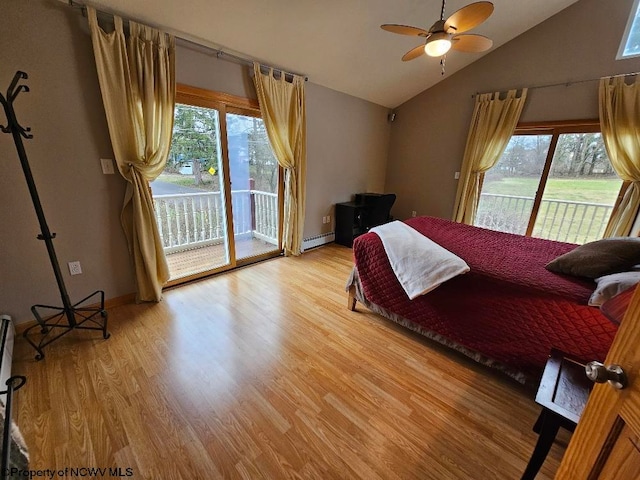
pixel 336 43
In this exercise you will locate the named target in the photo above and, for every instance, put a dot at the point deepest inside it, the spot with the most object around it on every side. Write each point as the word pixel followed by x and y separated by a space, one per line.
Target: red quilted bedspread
pixel 508 307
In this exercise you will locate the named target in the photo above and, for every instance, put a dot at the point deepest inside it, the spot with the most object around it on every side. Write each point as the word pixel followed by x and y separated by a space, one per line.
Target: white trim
pixel 625 37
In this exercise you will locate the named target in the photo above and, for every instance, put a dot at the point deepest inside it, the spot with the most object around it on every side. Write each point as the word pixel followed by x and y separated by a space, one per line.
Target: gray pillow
pixel 602 257
pixel 611 285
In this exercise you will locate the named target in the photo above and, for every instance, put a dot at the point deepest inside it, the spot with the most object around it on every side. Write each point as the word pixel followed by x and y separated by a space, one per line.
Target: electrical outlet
pixel 456 176
pixel 75 268
pixel 413 213
pixel 328 218
pixel 107 166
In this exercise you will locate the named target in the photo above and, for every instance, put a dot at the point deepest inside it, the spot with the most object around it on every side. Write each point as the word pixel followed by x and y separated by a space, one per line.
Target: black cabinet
pixel 355 218
pixel 351 221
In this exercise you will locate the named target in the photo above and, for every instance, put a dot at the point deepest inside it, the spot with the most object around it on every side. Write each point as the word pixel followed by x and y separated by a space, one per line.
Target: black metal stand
pixel 96 315
pixel 13 383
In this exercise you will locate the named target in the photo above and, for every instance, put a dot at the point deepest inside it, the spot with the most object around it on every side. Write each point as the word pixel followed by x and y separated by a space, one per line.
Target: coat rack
pixel 53 325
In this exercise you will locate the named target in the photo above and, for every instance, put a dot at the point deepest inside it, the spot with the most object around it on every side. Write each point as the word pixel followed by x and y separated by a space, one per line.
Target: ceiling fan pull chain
pixel 444 57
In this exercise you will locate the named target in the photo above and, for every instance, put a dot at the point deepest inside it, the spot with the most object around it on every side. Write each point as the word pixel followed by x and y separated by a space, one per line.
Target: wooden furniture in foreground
pixel 563 393
pixel 606 443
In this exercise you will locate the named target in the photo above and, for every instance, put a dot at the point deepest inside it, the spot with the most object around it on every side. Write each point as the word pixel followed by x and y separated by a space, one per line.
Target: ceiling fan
pixel 447 34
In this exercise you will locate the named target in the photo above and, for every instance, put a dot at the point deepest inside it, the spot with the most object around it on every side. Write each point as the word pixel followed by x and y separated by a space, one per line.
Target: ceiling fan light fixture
pixel 438 44
pixel 448 34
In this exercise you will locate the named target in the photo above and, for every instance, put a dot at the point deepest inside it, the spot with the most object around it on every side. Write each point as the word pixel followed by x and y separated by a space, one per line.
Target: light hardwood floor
pixel 263 373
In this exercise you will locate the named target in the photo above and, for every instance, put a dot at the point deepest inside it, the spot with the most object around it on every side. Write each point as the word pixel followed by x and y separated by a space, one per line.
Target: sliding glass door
pixel 218 201
pixel 190 195
pixel 254 179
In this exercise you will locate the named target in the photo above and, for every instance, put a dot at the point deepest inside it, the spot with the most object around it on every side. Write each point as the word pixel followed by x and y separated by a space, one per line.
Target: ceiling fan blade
pixel 468 17
pixel 471 43
pixel 413 53
pixel 404 30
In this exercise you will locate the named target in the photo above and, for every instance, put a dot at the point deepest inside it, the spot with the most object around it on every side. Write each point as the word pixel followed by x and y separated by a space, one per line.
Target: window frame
pixel 627 31
pixel 555 129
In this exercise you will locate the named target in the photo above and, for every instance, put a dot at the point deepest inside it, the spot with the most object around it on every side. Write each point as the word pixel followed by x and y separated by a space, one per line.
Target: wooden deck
pixel 197 260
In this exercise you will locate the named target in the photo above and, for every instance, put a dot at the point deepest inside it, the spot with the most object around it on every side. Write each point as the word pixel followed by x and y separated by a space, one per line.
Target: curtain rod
pixel 194 41
pixel 575 82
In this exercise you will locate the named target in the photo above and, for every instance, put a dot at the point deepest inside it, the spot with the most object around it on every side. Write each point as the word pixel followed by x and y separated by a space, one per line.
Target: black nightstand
pixel 351 221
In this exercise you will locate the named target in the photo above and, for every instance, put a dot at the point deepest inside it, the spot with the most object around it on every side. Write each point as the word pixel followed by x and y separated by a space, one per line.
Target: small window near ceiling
pixel 630 46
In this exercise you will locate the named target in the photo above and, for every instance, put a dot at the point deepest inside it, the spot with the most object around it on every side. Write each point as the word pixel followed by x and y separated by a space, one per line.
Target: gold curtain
pixel 620 125
pixel 492 126
pixel 137 80
pixel 282 105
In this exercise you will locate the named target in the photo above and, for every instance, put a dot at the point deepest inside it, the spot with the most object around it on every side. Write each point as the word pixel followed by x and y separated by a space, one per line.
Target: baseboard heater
pixel 318 240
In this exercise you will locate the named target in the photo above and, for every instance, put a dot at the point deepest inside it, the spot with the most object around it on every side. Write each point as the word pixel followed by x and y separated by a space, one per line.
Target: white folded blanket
pixel 419 263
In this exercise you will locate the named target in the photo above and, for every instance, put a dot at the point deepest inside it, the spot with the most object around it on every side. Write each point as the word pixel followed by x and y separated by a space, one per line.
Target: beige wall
pixel 430 130
pixel 347 149
pixel 50 42
pixel 347 138
pixel 347 141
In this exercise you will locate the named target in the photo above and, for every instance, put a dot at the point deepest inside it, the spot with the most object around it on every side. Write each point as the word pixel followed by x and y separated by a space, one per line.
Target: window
pixel 554 182
pixel 630 46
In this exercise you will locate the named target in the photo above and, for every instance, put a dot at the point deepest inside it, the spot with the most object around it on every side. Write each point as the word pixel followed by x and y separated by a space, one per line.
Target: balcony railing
pixel 193 220
pixel 561 220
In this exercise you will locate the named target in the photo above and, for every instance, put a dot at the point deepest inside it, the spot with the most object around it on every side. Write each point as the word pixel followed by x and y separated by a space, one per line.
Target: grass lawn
pixel 209 182
pixel 564 222
pixel 596 190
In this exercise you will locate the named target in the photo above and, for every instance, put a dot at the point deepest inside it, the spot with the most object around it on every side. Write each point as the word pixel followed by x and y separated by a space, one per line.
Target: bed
pixel 507 312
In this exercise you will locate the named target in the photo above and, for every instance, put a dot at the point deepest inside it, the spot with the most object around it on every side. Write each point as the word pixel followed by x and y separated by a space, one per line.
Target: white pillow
pixel 611 285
